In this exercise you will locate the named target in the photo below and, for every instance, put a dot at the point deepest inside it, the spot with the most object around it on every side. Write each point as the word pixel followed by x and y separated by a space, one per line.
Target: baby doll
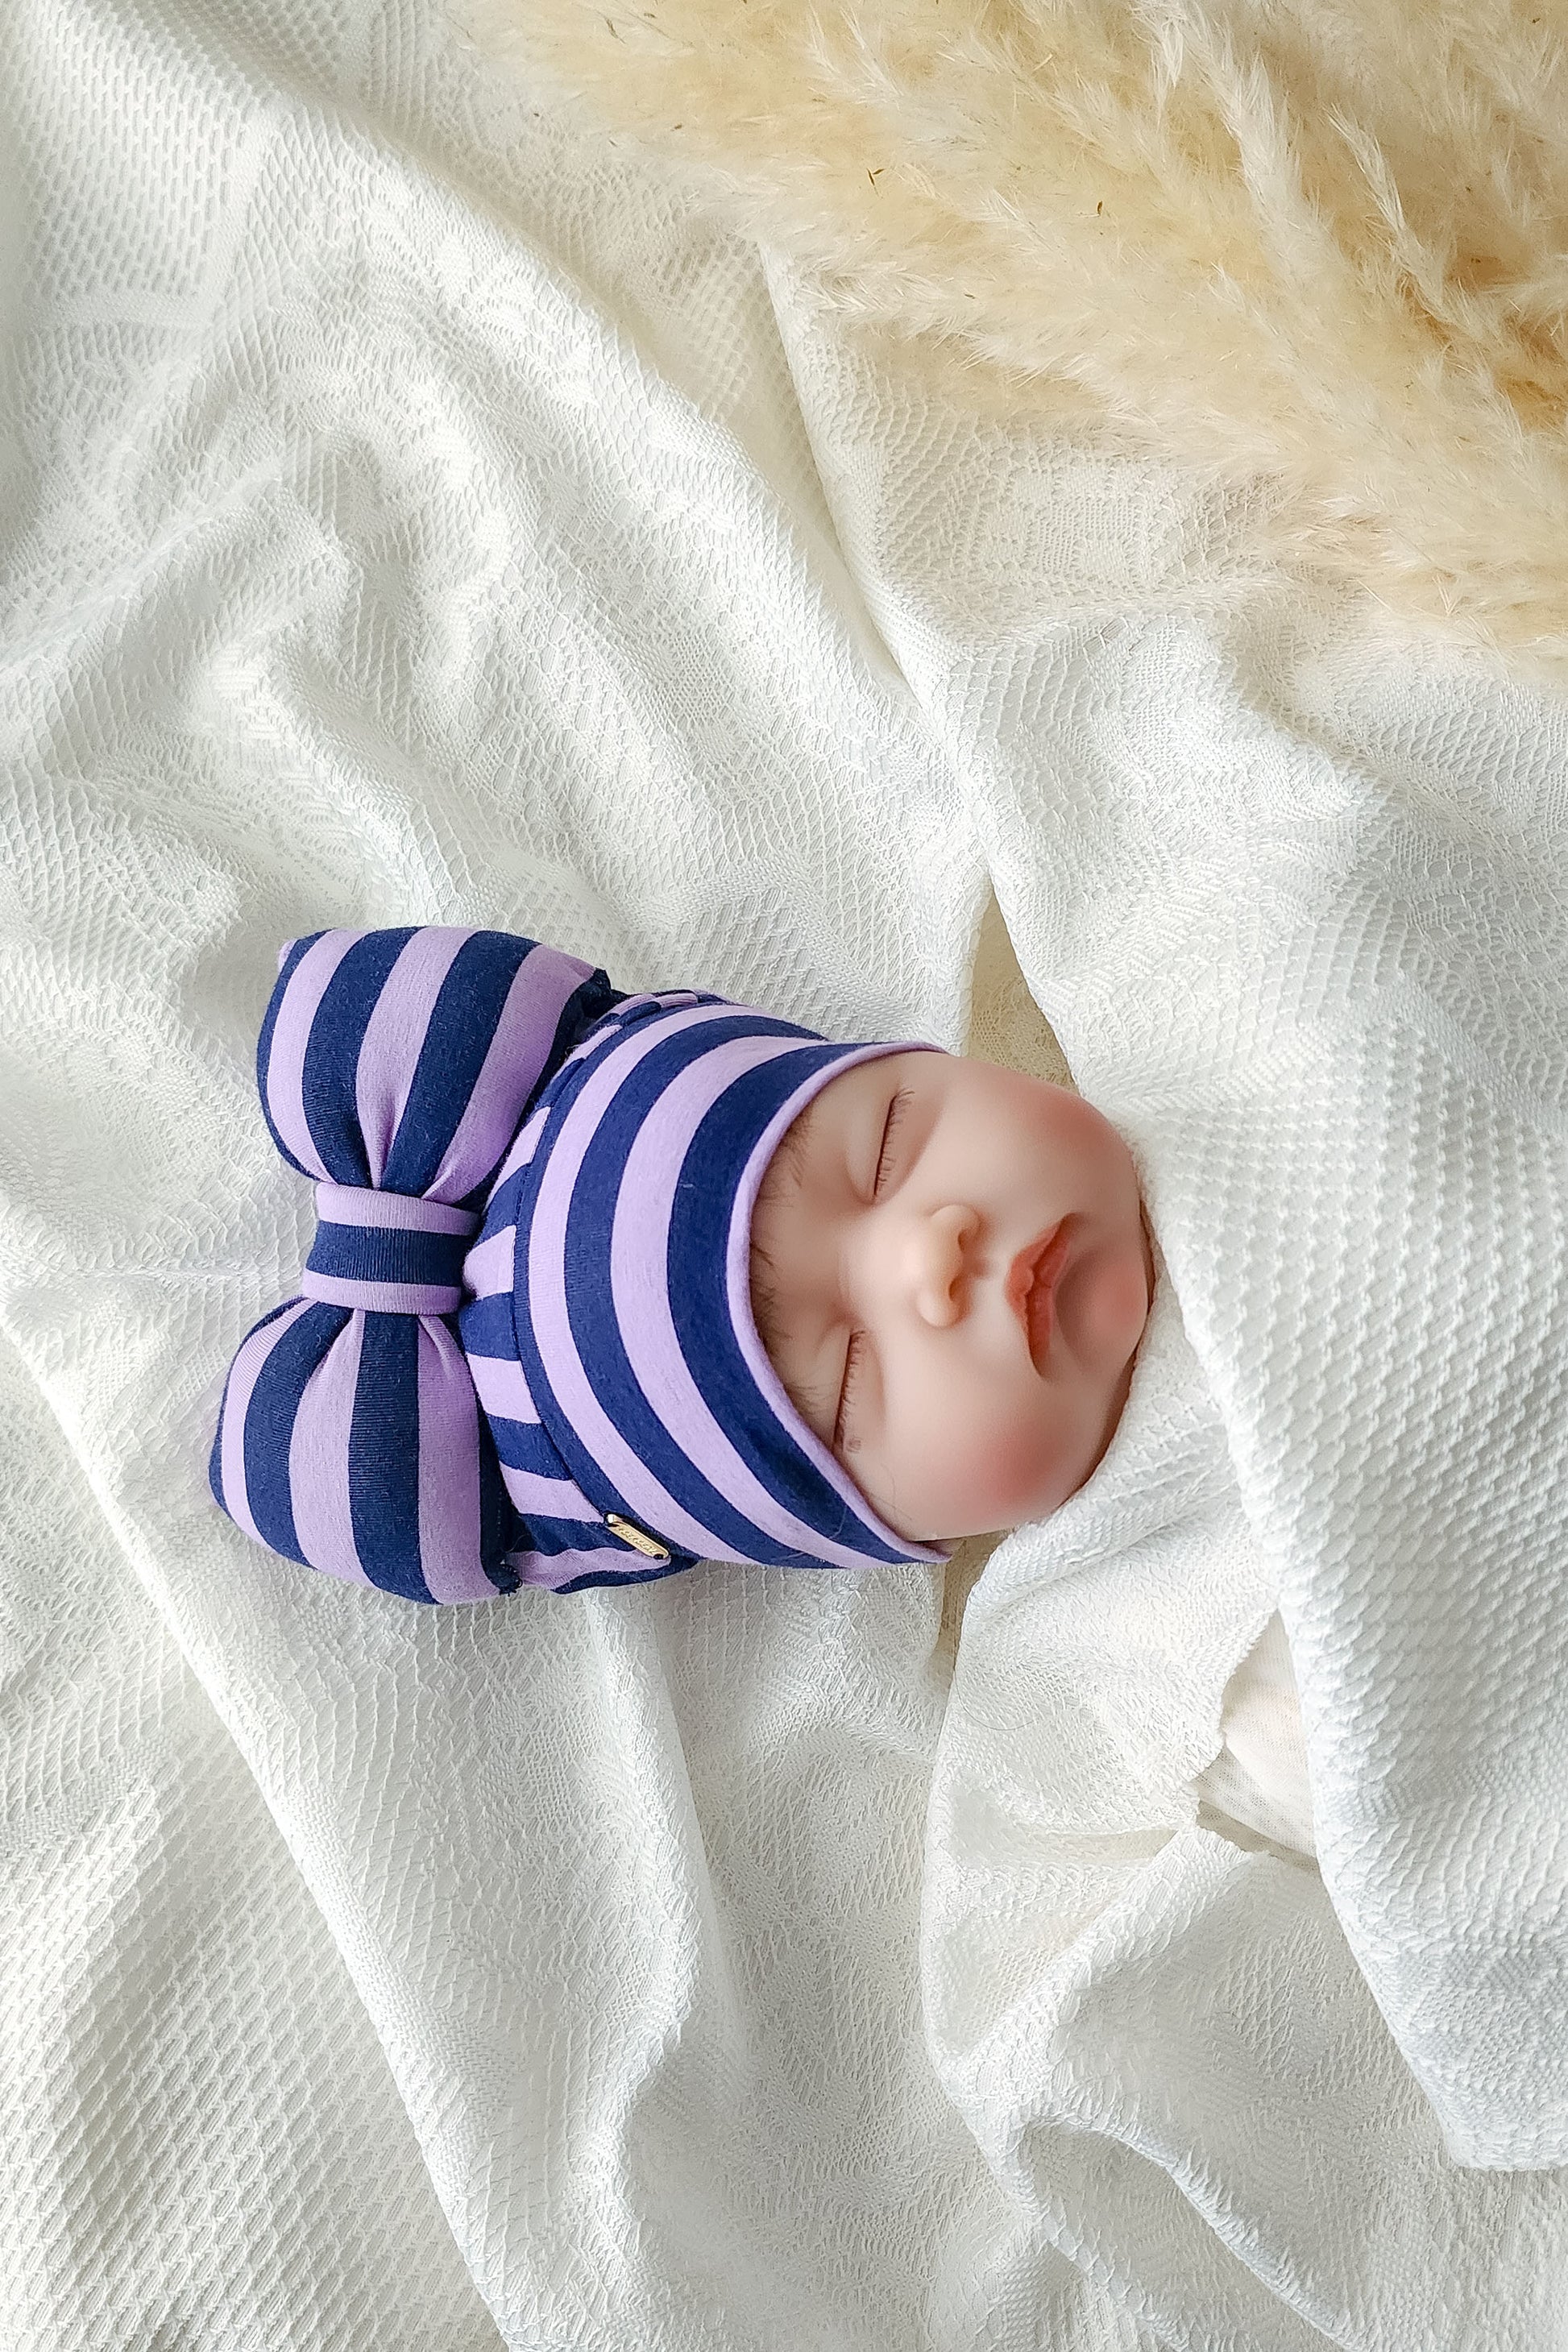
pixel 524 1348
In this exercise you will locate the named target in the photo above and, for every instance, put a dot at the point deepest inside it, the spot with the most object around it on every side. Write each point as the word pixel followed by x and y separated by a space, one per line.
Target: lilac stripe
pixel 646 1498
pixel 243 1373
pixel 353 1204
pixel 319 1460
pixel 449 1471
pixel 638 1250
pixel 501 1388
pixel 382 1298
pixel 549 1570
pixel 488 1268
pixel 395 1034
pixel 552 1499
pixel 541 987
pixel 308 984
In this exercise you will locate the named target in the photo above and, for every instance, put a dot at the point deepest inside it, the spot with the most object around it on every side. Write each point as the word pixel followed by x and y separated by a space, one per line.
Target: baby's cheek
pixel 988 1477
pixel 1008 1468
pixel 1113 1306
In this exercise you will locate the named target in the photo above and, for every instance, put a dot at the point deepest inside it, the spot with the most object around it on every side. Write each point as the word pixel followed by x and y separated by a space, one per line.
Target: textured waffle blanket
pixel 416 514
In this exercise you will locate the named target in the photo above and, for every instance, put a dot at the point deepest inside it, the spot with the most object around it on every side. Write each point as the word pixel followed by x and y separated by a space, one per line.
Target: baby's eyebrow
pixel 790 1155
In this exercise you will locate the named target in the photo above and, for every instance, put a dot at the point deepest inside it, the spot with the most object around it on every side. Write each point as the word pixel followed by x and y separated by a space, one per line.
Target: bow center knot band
pixel 388 1253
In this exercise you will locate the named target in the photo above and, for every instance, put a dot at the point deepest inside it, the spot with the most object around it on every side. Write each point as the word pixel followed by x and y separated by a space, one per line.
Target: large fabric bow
pixel 395 1067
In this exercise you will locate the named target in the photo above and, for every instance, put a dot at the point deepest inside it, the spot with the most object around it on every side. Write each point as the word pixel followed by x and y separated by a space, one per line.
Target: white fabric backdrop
pixel 416 515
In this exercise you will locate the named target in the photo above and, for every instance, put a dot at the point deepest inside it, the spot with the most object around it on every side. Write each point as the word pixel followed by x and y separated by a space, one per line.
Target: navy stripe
pixel 526 1445
pixel 328 1088
pixel 214 1460
pixel 269 1421
pixel 549 1536
pixel 388 1254
pixel 501 1526
pixel 499 1210
pixel 384 1457
pixel 264 1042
pixel 457 1037
pixel 484 1327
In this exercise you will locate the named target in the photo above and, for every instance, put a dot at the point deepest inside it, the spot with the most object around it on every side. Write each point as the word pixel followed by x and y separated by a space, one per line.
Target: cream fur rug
pixel 1323 247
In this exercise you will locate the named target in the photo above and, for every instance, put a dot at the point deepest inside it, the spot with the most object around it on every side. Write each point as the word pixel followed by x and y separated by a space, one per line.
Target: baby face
pixel 894 1247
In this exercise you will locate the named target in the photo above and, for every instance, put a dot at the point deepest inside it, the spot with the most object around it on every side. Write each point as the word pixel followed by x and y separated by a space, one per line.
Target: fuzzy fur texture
pixel 1323 245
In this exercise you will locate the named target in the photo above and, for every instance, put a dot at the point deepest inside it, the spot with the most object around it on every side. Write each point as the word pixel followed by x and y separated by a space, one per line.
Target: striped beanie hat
pixel 523 1350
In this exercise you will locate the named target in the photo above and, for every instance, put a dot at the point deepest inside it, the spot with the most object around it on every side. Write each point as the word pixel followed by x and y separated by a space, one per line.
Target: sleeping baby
pixel 605 1284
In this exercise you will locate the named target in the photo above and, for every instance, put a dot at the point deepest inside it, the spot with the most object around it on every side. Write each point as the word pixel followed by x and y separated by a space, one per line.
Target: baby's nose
pixel 942 1249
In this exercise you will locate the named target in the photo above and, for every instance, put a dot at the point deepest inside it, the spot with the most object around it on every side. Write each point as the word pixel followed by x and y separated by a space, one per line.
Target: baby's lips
pixel 1031 1282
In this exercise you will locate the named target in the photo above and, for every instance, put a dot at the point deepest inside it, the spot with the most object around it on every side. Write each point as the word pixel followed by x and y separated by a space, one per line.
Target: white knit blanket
pixel 414 514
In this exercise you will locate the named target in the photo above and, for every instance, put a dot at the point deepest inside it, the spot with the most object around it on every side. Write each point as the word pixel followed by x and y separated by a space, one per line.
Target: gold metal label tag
pixel 629 1534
